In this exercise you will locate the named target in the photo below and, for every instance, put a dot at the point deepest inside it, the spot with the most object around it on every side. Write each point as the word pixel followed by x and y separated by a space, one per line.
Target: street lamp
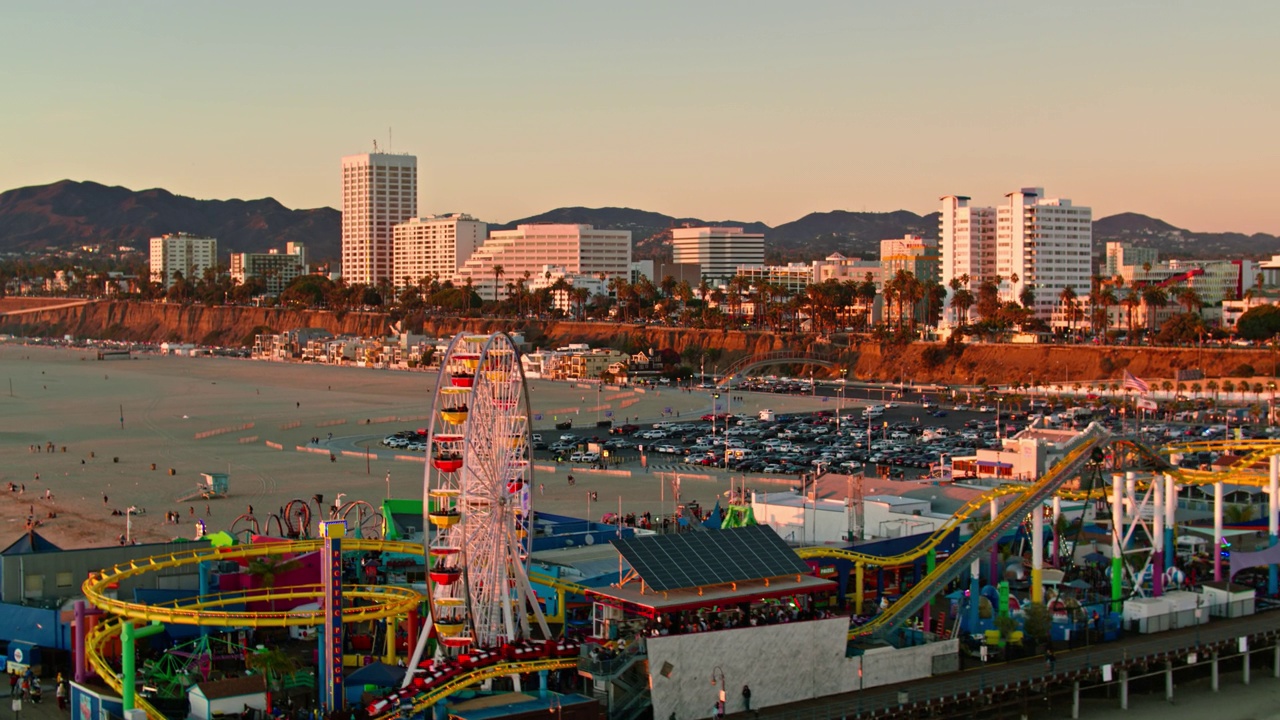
pixel 388 484
pixel 720 701
pixel 128 524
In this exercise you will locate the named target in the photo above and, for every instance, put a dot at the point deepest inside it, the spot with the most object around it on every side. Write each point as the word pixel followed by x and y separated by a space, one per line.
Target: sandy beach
pixel 70 399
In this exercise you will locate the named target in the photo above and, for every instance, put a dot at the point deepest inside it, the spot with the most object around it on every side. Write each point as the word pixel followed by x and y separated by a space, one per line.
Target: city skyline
pixel 719 111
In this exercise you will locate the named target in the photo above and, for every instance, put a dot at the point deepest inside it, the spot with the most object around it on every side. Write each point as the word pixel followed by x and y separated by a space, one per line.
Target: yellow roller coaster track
pixel 436 694
pixel 386 601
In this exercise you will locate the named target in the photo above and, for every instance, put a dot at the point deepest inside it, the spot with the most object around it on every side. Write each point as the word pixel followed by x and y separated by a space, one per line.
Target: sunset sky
pixel 720 110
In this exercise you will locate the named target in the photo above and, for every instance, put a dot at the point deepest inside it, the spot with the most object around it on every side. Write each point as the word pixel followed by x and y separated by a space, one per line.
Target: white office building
pixel 379 191
pixel 435 246
pixel 189 255
pixel 719 251
pixel 1034 240
pixel 576 249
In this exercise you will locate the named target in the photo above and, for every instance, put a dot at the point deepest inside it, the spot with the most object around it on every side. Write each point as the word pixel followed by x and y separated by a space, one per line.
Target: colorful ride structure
pixel 124 622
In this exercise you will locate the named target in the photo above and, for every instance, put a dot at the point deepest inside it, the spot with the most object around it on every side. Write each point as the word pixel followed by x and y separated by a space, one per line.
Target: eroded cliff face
pixel 918 362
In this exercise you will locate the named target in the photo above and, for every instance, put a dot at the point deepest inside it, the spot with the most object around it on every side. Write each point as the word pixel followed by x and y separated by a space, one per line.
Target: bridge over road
pixel 778 357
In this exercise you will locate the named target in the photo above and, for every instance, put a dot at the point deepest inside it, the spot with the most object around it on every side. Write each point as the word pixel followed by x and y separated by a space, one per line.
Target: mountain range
pixel 68 214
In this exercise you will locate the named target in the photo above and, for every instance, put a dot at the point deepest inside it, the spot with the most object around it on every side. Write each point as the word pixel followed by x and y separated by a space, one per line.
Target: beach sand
pixel 68 398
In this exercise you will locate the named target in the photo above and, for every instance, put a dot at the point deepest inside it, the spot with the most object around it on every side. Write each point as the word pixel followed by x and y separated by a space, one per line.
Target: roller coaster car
pixel 565 648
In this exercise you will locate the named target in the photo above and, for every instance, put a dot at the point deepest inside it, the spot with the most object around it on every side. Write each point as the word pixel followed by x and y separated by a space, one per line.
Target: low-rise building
pixel 274 269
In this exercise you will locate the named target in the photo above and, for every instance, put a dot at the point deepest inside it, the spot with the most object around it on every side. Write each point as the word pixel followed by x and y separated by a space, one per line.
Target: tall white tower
pixel 379 190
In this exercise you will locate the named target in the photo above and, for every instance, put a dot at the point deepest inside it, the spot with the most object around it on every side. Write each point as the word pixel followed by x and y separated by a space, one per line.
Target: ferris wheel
pixel 477 502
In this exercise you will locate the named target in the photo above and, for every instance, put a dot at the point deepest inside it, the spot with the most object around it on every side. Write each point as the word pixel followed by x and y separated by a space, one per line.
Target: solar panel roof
pixel 692 559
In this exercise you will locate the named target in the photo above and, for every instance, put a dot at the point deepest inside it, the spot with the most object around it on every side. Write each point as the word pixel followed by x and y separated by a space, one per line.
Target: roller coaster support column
pixel 203 568
pixel 129 658
pixel 1057 540
pixel 1170 520
pixel 930 562
pixel 1117 551
pixel 411 631
pixel 542 683
pixel 1273 522
pixel 83 611
pixel 860 570
pixel 995 546
pixel 1157 536
pixel 392 625
pixel 1037 553
pixel 975 580
pixel 1217 531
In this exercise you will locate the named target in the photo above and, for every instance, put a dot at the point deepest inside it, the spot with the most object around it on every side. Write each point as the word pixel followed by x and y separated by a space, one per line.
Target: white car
pixel 667 448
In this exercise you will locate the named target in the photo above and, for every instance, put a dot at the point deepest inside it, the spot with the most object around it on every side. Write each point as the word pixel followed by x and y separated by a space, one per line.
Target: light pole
pixel 720 700
pixel 128 524
pixel 388 484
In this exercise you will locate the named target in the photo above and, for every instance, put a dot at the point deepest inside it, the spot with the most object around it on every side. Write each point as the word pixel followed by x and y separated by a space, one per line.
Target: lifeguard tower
pixel 211 485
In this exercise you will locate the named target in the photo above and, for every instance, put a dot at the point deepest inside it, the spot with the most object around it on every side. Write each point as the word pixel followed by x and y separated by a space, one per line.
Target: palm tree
pixel 1153 296
pixel 268 569
pixel 1102 312
pixel 1130 302
pixel 961 299
pixel 1189 299
pixel 274 664
pixel 1212 387
pixel 498 272
pixel 1068 300
pixel 1228 386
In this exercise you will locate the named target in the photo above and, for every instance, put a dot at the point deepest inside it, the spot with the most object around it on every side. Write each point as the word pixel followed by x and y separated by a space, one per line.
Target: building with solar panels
pixel 685 620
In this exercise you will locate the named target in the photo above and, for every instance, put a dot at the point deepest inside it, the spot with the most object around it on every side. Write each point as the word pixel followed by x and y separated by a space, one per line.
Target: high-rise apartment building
pixel 577 249
pixel 719 251
pixel 966 241
pixel 276 270
pixel 379 190
pixel 190 255
pixel 434 246
pixel 1031 240
pixel 1045 244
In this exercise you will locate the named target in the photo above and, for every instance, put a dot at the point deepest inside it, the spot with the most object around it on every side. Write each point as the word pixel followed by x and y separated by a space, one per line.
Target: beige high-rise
pixel 379 190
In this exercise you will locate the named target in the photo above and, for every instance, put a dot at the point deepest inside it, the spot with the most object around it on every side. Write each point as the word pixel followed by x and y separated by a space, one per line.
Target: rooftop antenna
pixel 389 146
pixel 375 146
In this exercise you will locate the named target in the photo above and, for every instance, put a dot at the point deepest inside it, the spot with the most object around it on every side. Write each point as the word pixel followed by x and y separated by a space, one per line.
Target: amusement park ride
pixel 482 618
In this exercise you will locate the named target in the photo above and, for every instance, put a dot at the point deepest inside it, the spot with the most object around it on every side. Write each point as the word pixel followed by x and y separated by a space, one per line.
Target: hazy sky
pixel 720 110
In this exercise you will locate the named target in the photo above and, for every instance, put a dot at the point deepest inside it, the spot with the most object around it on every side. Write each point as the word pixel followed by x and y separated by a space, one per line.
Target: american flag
pixel 1133 382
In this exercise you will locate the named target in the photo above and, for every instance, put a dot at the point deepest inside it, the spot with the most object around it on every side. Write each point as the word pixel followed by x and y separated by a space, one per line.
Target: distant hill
pixel 849 233
pixel 1172 241
pixel 69 213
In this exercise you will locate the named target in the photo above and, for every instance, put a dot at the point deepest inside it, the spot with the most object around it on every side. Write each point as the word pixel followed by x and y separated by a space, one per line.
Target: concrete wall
pixel 782 663
pixel 887 665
